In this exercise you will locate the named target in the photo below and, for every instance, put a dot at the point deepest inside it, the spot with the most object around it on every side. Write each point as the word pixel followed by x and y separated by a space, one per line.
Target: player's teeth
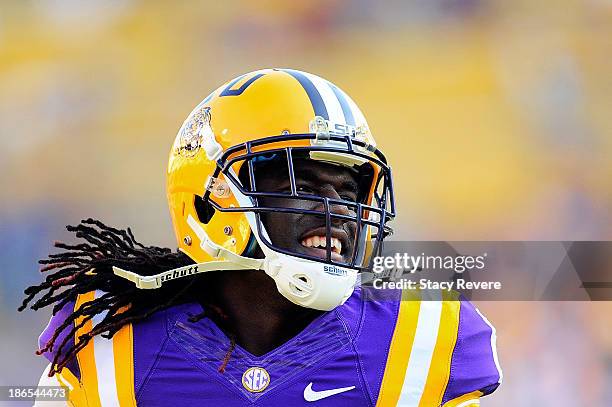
pixel 321 241
pixel 337 245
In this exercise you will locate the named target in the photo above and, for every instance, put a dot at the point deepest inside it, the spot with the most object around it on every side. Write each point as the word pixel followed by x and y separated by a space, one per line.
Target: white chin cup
pixel 311 284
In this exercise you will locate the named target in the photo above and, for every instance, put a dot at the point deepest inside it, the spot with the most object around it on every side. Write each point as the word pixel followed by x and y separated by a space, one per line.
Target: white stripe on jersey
pixel 105 364
pixel 425 339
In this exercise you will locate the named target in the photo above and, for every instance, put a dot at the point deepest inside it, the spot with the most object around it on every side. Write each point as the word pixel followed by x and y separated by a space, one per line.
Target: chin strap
pixel 156 281
pixel 232 261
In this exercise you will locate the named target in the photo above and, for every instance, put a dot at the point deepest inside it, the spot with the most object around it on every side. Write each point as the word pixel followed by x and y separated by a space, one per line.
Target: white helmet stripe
pixel 334 110
pixel 359 118
pixel 343 99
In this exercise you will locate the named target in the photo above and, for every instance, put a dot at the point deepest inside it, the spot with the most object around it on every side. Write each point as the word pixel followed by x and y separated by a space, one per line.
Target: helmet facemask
pixel 367 210
pixel 337 233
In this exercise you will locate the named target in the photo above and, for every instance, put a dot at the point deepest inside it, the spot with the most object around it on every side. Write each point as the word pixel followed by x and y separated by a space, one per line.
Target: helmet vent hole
pixel 304 279
pixel 204 209
pixel 298 291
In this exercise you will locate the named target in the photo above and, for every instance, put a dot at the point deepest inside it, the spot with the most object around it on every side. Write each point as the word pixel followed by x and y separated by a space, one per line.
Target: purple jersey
pixel 373 350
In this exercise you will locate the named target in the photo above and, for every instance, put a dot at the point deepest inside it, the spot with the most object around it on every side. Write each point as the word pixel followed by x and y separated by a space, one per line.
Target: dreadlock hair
pixel 87 266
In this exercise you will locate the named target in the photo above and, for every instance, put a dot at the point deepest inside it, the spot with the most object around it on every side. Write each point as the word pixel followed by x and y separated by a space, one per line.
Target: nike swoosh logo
pixel 311 395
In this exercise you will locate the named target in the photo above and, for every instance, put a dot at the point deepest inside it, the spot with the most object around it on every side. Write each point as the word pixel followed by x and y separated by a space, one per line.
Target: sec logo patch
pixel 255 379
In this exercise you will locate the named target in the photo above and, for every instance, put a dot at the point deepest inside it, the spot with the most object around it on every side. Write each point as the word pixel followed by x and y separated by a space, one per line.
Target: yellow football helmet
pixel 273 114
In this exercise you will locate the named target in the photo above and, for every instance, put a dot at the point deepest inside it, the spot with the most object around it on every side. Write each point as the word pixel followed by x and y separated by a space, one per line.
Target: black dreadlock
pixel 85 267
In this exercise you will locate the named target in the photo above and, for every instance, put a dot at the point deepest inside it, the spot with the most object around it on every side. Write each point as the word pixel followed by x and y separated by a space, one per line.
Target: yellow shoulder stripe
pixel 85 358
pixel 124 365
pixel 399 350
pixel 107 366
pixel 439 369
pixel 76 394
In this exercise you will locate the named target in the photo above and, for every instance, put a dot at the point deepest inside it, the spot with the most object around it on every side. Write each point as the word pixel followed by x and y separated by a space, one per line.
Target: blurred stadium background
pixel 495 115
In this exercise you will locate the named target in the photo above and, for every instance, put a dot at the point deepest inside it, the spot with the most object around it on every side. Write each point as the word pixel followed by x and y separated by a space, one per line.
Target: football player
pixel 279 197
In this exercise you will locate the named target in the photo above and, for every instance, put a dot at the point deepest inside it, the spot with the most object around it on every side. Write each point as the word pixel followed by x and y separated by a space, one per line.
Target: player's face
pixel 303 233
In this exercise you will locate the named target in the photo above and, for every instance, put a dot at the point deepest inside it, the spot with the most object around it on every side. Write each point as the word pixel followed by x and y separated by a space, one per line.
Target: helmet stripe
pixel 313 94
pixel 232 83
pixel 344 104
pixel 359 118
pixel 332 104
pixel 228 91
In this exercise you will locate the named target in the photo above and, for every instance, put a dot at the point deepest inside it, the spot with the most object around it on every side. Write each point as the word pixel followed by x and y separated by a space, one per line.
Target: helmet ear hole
pixel 204 209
